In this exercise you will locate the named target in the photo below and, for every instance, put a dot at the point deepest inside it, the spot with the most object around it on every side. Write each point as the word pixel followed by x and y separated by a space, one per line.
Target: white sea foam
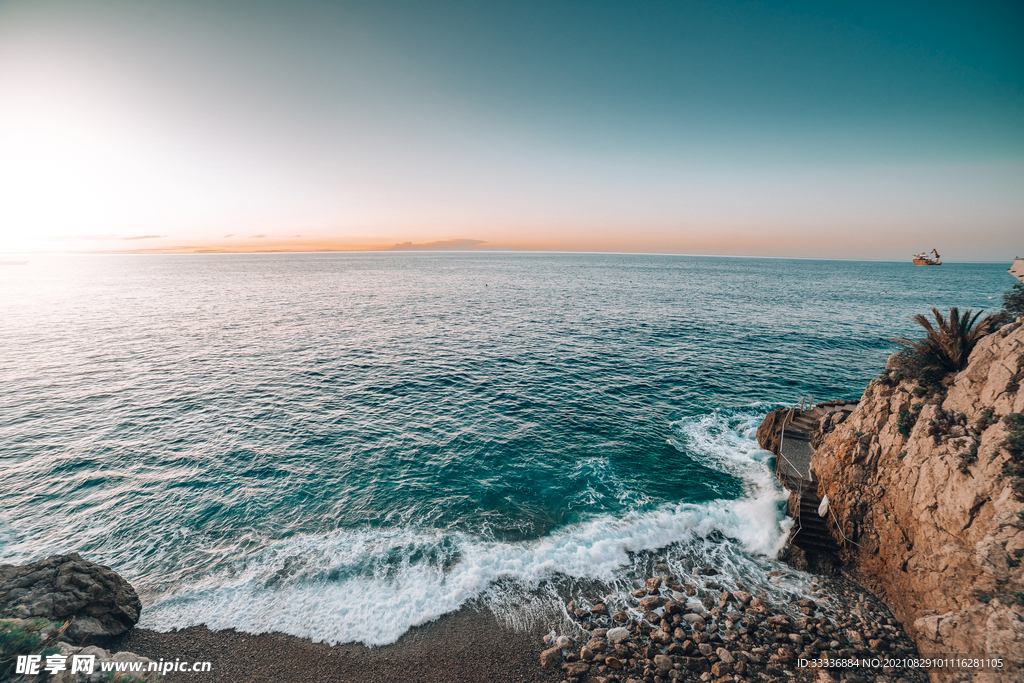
pixel 373 585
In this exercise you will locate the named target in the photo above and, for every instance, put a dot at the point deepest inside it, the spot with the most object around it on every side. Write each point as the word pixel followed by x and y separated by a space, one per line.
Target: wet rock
pixel 653 602
pixel 692 618
pixel 653 584
pixel 564 643
pixel 98 602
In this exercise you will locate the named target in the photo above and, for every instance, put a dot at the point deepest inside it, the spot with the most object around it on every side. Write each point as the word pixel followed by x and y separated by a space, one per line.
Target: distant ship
pixel 925 260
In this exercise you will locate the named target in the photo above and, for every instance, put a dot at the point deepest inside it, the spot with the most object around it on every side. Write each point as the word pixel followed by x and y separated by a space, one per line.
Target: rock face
pixel 921 507
pixel 97 601
pixel 770 430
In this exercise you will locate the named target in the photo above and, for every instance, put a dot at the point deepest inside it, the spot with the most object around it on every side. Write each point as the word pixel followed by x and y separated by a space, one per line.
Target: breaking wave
pixel 372 585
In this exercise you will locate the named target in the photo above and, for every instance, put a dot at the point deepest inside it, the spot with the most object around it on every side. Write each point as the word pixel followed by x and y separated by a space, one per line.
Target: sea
pixel 342 446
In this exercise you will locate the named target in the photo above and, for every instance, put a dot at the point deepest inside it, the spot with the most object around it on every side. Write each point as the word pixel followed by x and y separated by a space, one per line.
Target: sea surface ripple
pixel 341 446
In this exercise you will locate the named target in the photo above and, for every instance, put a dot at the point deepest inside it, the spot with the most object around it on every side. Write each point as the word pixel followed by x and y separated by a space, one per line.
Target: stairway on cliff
pixel 793 469
pixel 812 534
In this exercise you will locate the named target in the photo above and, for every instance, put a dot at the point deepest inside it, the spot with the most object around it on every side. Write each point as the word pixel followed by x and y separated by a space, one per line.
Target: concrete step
pixel 820 531
pixel 824 549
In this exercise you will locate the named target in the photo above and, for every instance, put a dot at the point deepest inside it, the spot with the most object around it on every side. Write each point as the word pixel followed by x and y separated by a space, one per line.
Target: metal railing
pixel 784 473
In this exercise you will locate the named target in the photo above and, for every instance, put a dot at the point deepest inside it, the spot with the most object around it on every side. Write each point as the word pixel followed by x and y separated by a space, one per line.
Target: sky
pixel 837 130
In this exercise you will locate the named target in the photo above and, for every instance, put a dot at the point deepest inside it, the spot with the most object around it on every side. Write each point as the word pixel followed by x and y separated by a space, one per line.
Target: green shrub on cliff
pixel 946 345
pixel 1014 445
pixel 1013 301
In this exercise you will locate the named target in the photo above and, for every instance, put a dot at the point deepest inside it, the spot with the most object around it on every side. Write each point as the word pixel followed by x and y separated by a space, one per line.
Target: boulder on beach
pixel 95 599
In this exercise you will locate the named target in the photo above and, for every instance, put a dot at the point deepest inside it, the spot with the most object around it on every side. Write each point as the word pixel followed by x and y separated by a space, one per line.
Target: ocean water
pixel 342 446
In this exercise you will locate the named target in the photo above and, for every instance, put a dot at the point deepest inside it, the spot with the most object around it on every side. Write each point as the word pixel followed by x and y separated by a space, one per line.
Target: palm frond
pixel 947 344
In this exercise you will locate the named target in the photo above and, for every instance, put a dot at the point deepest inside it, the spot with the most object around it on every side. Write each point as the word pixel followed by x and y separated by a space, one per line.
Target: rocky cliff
pixel 923 508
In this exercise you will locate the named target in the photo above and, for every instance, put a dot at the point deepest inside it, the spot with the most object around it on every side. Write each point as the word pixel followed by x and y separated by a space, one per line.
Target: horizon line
pixel 502 250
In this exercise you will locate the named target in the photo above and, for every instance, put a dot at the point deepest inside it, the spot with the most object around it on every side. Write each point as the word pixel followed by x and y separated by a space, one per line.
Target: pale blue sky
pixel 865 130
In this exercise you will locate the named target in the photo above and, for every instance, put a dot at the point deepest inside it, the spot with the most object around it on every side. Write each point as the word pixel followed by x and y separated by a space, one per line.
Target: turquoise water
pixel 344 445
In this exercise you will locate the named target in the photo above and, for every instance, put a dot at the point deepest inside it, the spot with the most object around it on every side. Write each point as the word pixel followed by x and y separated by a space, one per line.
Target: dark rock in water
pixel 653 602
pixel 97 601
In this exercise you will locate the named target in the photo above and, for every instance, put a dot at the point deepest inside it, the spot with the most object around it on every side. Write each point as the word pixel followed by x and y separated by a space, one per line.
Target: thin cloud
pixel 441 245
pixel 106 237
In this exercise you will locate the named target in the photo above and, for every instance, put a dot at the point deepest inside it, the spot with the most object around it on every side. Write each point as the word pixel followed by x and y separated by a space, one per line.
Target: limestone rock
pixel 925 518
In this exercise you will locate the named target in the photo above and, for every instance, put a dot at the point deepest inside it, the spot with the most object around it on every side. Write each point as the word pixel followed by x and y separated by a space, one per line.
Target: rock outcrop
pixel 921 505
pixel 95 599
pixel 770 432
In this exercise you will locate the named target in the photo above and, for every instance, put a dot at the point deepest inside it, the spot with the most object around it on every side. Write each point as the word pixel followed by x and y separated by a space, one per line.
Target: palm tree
pixel 947 346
